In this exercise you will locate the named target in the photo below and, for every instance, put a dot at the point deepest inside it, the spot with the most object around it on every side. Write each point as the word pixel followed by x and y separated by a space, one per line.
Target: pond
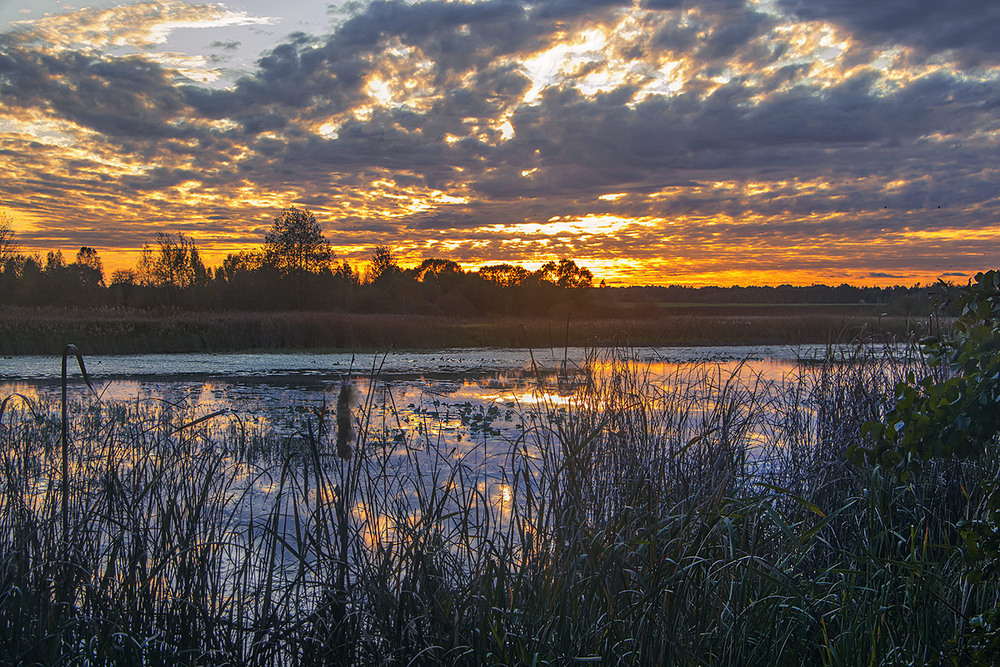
pixel 470 394
pixel 214 482
pixel 487 414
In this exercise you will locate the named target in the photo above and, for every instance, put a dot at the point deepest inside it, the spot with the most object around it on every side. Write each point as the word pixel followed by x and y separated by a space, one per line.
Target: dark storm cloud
pixel 663 4
pixel 135 100
pixel 368 144
pixel 121 97
pixel 701 5
pixel 159 178
pixel 970 27
pixel 718 30
pixel 289 78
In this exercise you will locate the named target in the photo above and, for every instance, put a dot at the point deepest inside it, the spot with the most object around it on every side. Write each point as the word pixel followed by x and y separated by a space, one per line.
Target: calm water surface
pixel 275 387
pixel 462 394
pixel 457 363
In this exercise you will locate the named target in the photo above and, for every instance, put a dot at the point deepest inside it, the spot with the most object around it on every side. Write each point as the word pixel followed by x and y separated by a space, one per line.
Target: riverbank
pixel 117 331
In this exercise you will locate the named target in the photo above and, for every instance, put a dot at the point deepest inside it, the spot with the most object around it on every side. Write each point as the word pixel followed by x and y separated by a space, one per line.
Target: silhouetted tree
pixel 125 277
pixel 565 274
pixel 54 262
pixel 295 242
pixel 242 262
pixel 55 283
pixel 246 280
pixel 436 268
pixel 175 266
pixel 383 264
pixel 437 285
pixel 8 246
pixel 89 268
pixel 29 278
pixel 347 274
pixel 123 285
pixel 505 275
pixel 9 261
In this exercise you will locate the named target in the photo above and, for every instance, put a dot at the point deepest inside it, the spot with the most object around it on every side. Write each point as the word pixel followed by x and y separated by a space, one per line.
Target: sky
pixel 697 142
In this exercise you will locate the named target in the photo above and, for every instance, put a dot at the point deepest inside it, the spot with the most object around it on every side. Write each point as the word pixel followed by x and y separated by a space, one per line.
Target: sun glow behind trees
pixel 294 268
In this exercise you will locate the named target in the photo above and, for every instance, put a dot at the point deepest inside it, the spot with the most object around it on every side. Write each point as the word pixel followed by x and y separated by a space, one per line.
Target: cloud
pixel 230 45
pixel 967 28
pixel 725 135
pixel 129 96
pixel 139 24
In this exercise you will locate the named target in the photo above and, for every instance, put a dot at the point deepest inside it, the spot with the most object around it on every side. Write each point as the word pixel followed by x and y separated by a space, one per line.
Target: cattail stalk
pixel 345 426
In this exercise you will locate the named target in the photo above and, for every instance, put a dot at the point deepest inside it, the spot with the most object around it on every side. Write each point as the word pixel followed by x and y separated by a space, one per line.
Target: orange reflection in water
pixel 377 530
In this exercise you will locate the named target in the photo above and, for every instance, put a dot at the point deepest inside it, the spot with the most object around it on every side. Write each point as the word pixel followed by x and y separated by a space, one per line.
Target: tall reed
pixel 707 518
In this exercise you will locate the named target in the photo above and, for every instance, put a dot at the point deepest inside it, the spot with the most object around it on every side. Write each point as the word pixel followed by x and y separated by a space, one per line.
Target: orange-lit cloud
pixel 654 141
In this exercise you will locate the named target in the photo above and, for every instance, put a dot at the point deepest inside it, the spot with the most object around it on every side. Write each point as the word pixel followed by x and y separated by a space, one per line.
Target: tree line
pixel 296 268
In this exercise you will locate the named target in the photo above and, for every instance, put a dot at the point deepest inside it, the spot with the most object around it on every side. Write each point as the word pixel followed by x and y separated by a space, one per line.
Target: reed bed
pixel 707 519
pixel 118 331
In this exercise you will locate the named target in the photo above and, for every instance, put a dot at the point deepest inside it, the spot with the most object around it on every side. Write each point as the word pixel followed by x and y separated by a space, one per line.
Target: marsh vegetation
pixel 116 331
pixel 632 522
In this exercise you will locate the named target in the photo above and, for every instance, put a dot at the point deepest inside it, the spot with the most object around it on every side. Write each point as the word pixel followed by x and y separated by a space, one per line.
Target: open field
pixel 701 522
pixel 112 331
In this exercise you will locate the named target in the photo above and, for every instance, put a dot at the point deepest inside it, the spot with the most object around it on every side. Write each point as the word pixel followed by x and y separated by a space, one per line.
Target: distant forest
pixel 296 269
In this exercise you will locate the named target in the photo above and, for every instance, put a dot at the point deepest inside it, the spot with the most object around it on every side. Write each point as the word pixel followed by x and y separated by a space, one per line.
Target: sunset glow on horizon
pixel 710 142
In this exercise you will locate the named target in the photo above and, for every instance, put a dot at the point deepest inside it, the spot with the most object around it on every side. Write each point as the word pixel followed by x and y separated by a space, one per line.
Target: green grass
pixel 639 528
pixel 110 331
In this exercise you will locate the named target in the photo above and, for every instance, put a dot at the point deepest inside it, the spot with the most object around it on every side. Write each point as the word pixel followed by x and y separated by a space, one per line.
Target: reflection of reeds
pixel 695 521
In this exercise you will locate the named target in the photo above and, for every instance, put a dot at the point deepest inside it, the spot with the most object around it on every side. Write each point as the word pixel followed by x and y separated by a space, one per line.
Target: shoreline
pixel 281 366
pixel 108 331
